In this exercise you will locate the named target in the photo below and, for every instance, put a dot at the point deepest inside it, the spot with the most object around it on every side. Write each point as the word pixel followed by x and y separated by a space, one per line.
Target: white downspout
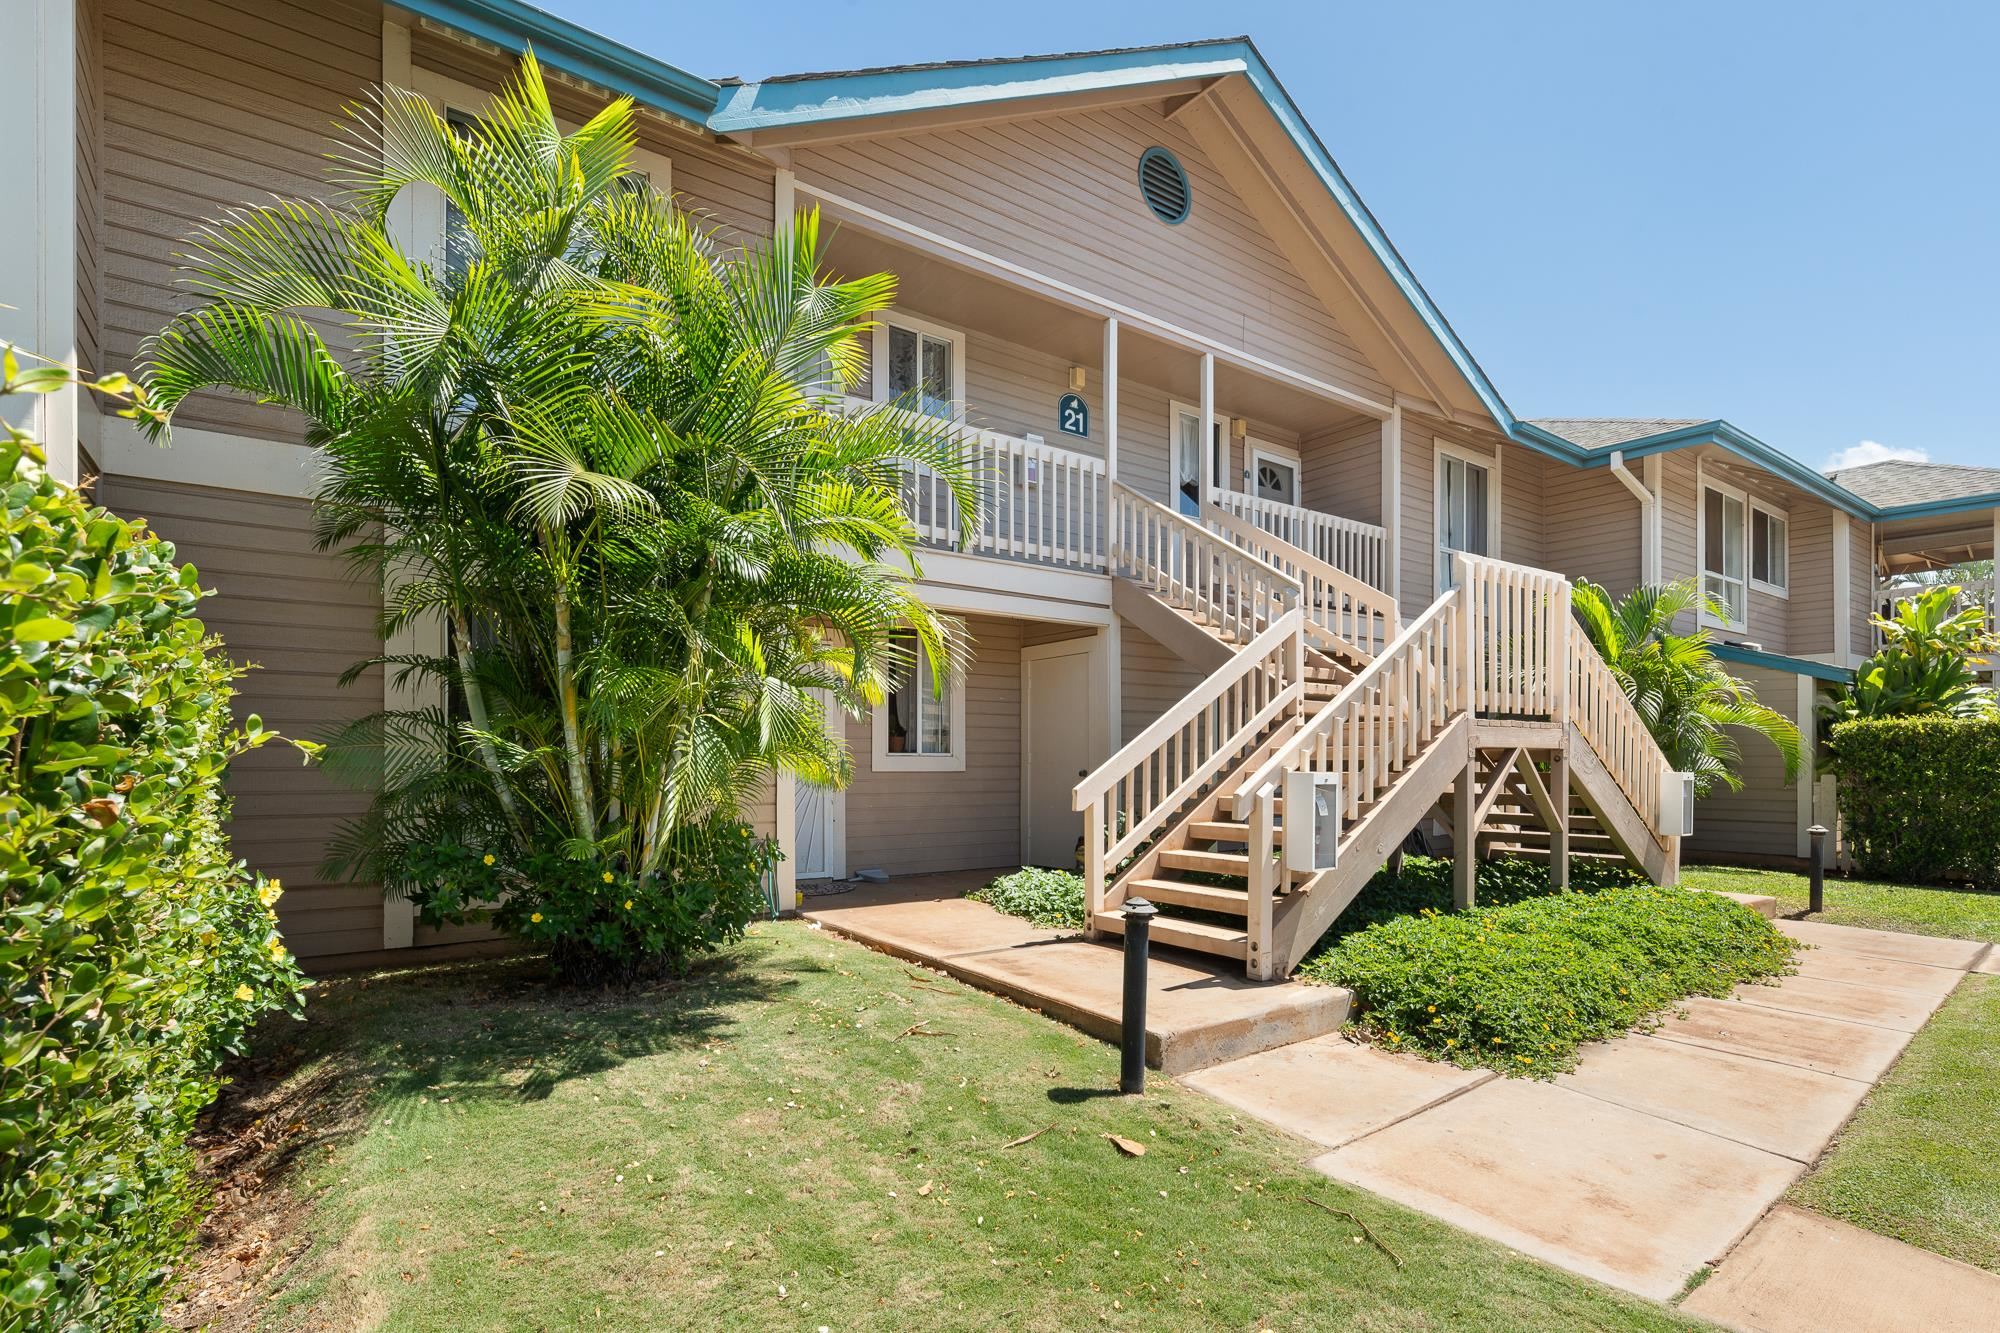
pixel 1649 524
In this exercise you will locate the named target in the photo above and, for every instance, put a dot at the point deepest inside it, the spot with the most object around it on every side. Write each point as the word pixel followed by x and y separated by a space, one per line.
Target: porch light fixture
pixel 1239 429
pixel 1076 379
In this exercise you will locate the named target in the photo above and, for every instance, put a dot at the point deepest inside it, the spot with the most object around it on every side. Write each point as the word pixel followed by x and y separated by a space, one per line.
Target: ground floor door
pixel 1060 743
pixel 820 850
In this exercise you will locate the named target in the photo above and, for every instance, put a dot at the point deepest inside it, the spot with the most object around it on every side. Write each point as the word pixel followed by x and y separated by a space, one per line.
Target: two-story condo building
pixel 1256 510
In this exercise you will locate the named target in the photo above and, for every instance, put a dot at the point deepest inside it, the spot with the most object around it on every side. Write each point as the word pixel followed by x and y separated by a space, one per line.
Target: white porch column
pixel 1111 399
pixel 1392 502
pixel 38 262
pixel 1843 587
pixel 1207 444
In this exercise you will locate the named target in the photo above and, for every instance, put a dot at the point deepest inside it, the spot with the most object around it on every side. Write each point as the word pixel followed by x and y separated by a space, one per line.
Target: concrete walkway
pixel 1199 1010
pixel 1661 1150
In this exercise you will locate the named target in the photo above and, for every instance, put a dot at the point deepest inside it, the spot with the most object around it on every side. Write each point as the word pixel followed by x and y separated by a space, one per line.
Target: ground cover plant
pixel 1520 987
pixel 773 1142
pixel 1917 1161
pixel 1051 899
pixel 1920 909
pixel 606 456
pixel 134 949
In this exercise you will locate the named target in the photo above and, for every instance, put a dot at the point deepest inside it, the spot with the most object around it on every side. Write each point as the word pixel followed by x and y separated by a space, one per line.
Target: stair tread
pixel 1206 897
pixel 1222 863
pixel 1224 940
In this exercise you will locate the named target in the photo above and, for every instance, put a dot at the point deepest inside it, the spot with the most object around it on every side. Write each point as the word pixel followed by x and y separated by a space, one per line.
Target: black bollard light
pixel 1139 916
pixel 1816 881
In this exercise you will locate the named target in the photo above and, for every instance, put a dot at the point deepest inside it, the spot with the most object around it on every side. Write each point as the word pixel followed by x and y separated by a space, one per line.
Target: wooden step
pixel 1174 893
pixel 1223 941
pixel 1222 830
pixel 1208 863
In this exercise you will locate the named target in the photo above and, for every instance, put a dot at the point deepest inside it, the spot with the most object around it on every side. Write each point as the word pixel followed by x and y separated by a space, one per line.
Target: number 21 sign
pixel 1073 415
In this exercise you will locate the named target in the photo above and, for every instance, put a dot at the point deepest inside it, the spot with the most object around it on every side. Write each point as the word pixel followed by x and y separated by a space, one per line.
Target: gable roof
pixel 1899 481
pixel 731 107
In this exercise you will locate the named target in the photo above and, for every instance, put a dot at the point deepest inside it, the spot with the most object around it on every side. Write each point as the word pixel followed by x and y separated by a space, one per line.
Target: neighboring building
pixel 1153 233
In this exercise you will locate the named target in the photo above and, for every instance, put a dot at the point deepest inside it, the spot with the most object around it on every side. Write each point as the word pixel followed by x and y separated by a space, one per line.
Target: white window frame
pixel 1769 511
pixel 448 96
pixel 1218 446
pixel 1442 450
pixel 878 356
pixel 1703 485
pixel 887 761
pixel 1257 450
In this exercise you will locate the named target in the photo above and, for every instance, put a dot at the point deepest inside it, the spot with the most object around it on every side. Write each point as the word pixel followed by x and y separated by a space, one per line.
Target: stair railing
pixel 1612 727
pixel 1517 621
pixel 1133 793
pixel 1342 607
pixel 1190 567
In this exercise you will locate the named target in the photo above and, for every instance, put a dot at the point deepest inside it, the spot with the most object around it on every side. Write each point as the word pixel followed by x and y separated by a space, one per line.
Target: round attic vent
pixel 1165 185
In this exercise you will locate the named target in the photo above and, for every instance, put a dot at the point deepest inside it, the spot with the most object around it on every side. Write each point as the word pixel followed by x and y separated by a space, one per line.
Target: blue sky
pixel 1785 215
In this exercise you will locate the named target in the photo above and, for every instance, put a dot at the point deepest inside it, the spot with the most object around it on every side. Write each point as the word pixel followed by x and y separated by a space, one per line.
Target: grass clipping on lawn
pixel 1519 987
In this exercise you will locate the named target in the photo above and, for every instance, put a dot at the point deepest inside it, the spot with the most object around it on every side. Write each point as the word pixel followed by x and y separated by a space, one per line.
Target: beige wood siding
pixel 1343 470
pixel 89 188
pixel 301 620
pixel 1523 494
pixel 1593 527
pixel 1153 678
pixel 1809 616
pixel 1761 820
pixel 1060 196
pixel 209 104
pixel 1860 585
pixel 731 191
pixel 1419 536
pixel 1521 479
pixel 912 823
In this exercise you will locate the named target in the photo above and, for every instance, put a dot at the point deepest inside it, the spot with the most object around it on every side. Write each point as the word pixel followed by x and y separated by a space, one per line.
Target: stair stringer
pixel 1306 913
pixel 1629 832
pixel 1178 634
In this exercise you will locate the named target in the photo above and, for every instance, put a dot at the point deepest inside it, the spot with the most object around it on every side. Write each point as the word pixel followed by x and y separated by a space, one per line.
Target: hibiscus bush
pixel 134 950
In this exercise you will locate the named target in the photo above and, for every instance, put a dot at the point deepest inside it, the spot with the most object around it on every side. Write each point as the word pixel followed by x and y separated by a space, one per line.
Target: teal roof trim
pixel 809 100
pixel 1797 666
pixel 510 25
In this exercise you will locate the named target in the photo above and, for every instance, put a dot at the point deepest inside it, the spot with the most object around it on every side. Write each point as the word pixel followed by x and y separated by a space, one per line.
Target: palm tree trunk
pixel 475 705
pixel 579 782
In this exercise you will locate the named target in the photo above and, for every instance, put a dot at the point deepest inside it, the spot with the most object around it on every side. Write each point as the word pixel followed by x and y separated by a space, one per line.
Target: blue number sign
pixel 1073 415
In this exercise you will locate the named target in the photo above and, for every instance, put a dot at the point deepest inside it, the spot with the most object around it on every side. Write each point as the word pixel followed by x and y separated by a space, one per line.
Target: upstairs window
pixel 919 364
pixel 1723 565
pixel 1770 550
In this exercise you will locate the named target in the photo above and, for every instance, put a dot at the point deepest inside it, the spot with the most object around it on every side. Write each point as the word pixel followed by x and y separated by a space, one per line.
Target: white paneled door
pixel 820 850
pixel 1062 745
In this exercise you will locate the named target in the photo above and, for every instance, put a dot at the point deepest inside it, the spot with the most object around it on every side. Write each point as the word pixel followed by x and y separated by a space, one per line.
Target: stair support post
pixel 1263 884
pixel 1559 799
pixel 1465 835
pixel 1093 865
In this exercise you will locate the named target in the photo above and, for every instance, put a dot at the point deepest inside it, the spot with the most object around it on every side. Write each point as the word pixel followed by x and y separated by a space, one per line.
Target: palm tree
pixel 607 455
pixel 1684 696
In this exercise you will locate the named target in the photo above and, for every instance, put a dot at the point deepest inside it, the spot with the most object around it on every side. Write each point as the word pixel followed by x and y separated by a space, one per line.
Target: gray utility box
pixel 1677 804
pixel 1312 820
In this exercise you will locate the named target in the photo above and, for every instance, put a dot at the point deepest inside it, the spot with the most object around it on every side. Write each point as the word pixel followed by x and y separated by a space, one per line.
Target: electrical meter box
pixel 1677 804
pixel 1312 820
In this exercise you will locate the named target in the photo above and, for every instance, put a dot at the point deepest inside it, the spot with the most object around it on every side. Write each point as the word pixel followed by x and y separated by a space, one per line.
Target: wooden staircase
pixel 1468 714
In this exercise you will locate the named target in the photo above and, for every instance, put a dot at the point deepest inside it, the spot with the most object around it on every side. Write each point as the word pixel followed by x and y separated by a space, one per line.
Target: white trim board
pixel 207 458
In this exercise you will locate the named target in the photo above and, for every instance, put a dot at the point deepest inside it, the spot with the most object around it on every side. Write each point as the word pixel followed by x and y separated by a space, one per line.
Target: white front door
pixel 1274 473
pixel 819 831
pixel 1059 704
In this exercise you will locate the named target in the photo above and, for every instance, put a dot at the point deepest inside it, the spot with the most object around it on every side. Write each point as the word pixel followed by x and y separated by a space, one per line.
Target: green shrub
pixel 1519 987
pixel 1424 885
pixel 1051 899
pixel 134 951
pixel 1919 798
pixel 600 923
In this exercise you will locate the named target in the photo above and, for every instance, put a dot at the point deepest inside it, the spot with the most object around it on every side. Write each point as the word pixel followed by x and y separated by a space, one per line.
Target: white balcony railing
pixel 1042 503
pixel 1349 545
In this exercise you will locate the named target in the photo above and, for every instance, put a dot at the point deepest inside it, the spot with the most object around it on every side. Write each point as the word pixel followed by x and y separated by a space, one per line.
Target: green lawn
pixel 1918 1160
pixel 1959 913
pixel 809 1134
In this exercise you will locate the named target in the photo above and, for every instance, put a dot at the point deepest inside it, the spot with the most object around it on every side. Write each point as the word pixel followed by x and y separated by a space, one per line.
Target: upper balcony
pixel 1057 403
